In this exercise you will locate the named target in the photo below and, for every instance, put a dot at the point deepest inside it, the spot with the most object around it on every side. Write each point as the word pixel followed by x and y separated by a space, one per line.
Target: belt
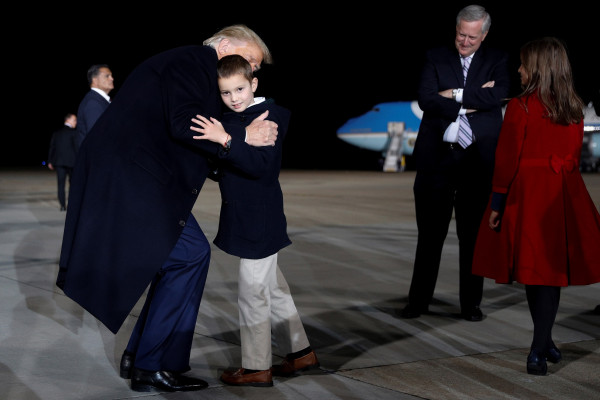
pixel 555 162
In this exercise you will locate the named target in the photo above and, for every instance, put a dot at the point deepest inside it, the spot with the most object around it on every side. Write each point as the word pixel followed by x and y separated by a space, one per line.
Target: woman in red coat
pixel 542 228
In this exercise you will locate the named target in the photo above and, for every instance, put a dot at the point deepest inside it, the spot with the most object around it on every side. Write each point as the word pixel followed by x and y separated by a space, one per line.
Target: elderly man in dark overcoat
pixel 130 225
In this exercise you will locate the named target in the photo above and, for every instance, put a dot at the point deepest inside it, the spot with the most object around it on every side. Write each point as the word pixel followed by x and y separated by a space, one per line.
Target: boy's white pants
pixel 265 304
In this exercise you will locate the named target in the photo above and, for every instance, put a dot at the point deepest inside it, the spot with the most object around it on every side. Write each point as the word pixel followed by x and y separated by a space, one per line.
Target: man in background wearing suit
pixel 96 100
pixel 454 160
pixel 62 153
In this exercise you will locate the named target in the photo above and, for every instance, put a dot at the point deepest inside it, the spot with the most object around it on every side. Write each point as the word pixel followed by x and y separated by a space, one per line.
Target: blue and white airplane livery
pixel 370 131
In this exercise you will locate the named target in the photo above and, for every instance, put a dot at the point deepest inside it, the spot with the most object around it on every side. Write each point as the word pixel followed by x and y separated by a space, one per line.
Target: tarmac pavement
pixel 349 269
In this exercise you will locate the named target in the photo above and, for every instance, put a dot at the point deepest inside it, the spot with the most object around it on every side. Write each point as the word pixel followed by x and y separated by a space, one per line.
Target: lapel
pixel 457 68
pixel 475 65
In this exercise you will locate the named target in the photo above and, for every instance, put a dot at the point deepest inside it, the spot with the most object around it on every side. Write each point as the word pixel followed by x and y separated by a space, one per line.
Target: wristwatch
pixel 454 92
pixel 227 144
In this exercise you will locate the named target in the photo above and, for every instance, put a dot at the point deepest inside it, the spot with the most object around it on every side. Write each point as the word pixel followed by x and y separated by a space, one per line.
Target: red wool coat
pixel 550 228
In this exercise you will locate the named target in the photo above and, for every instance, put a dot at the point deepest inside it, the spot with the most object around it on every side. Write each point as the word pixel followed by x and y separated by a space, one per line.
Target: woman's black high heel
pixel 536 363
pixel 553 354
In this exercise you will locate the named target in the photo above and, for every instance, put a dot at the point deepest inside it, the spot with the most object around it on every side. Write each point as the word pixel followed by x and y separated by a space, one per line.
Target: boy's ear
pixel 254 84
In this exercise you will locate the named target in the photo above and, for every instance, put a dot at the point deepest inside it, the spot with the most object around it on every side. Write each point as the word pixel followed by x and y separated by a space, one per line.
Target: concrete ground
pixel 349 268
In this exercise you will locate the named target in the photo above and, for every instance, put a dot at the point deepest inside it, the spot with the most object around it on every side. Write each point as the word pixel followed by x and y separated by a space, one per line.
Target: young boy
pixel 252 226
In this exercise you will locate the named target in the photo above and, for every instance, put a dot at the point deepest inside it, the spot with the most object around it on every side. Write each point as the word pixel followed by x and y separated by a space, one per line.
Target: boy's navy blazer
pixel 252 222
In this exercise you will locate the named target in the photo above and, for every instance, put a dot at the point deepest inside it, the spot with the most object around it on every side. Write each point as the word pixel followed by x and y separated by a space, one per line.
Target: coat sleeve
pixel 495 69
pixel 188 87
pixel 510 144
pixel 437 76
pixel 257 161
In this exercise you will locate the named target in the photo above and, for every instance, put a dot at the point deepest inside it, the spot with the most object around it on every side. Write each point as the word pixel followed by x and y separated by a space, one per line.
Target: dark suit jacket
pixel 252 223
pixel 136 178
pixel 90 108
pixel 443 70
pixel 63 147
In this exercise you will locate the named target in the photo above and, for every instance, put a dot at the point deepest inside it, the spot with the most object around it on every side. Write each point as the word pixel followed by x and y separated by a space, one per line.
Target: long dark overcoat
pixel 137 176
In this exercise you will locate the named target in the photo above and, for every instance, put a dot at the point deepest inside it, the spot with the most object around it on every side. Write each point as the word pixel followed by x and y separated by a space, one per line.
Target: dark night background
pixel 331 62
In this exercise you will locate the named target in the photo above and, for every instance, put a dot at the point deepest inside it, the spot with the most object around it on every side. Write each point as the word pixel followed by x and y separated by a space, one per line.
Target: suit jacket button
pixel 194 191
pixel 181 223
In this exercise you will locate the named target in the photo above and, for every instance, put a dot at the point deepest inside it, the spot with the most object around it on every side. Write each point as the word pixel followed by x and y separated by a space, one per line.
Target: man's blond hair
pixel 240 33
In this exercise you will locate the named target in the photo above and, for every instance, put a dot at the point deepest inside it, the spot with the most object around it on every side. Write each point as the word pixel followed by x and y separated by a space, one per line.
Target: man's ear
pixel 254 84
pixel 223 47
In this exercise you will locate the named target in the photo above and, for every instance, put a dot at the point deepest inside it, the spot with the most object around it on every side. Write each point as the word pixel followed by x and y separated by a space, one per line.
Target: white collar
pixel 257 100
pixel 102 93
pixel 469 57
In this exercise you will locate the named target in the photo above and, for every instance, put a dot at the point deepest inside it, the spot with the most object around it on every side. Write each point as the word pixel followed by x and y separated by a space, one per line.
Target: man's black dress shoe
pixel 553 355
pixel 127 361
pixel 163 381
pixel 411 311
pixel 536 364
pixel 473 314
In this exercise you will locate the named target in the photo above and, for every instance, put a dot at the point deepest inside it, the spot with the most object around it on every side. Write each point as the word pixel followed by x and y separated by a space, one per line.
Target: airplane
pixel 375 130
pixel 590 150
pixel 371 131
